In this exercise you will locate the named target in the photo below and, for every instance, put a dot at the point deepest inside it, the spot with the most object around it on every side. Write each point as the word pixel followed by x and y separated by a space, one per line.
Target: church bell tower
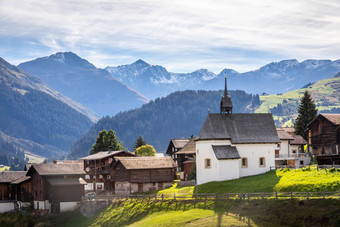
pixel 226 105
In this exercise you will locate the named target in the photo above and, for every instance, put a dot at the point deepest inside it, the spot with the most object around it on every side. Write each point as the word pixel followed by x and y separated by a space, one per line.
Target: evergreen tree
pixel 307 112
pixel 139 142
pixel 105 141
pixel 146 150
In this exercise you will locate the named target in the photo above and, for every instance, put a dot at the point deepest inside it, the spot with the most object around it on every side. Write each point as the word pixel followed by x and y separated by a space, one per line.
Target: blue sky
pixel 181 35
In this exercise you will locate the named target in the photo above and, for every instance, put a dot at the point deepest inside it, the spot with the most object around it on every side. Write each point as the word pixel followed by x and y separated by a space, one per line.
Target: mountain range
pixel 277 77
pixel 81 81
pixel 35 118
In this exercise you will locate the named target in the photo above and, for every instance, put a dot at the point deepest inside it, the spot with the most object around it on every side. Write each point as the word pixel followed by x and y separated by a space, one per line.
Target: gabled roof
pixel 104 154
pixel 11 176
pixel 21 179
pixel 240 128
pixel 225 152
pixel 50 169
pixel 298 140
pixel 334 118
pixel 189 148
pixel 146 162
pixel 283 135
pixel 179 143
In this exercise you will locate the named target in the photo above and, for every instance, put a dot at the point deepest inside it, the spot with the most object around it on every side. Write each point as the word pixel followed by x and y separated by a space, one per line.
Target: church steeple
pixel 226 105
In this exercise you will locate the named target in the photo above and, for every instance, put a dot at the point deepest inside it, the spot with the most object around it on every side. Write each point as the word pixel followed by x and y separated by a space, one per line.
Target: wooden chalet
pixel 324 134
pixel 140 174
pixel 175 145
pixel 57 187
pixel 98 168
pixel 15 185
pixel 185 157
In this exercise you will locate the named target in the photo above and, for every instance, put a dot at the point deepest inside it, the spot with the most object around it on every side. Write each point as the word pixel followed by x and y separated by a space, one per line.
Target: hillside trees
pixel 106 141
pixel 306 113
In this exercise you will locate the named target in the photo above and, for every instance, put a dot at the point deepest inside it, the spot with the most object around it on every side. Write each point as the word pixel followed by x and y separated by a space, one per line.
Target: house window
pixel 88 162
pixel 108 177
pixel 301 162
pixel 40 193
pixel 153 184
pixel 36 193
pixel 244 163
pixel 262 162
pixel 110 160
pixel 278 145
pixel 207 163
pixel 294 151
pixel 87 177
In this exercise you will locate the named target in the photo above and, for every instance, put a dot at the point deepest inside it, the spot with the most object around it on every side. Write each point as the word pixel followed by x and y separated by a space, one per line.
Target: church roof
pixel 225 152
pixel 240 128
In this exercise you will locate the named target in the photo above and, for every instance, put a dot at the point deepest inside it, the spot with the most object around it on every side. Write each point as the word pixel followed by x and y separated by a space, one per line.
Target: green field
pixel 33 158
pixel 326 94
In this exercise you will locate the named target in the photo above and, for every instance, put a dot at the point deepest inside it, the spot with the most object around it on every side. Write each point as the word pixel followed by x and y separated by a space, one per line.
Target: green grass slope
pixel 326 94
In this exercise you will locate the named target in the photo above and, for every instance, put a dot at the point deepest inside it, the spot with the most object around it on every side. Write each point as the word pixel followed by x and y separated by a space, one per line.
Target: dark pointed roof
pixel 226 104
pixel 240 128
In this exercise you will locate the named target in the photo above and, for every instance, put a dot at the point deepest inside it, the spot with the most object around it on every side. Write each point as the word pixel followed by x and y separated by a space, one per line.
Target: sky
pixel 181 35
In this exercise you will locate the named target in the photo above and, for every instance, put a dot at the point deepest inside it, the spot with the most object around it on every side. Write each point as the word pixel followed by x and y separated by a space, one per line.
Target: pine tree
pixel 139 142
pixel 106 141
pixel 307 112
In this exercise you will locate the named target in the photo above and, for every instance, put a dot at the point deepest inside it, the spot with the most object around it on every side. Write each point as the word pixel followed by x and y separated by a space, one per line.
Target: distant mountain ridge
pixel 276 77
pixel 80 80
pixel 36 119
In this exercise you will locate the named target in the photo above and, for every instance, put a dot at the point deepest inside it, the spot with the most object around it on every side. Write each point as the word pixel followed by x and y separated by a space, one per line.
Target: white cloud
pixel 170 29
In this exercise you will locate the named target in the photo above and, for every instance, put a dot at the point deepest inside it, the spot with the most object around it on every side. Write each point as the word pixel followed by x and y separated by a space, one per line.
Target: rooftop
pixel 284 135
pixel 48 169
pixel 240 128
pixel 11 176
pixel 225 152
pixel 104 154
pixel 179 143
pixel 189 148
pixel 334 118
pixel 147 162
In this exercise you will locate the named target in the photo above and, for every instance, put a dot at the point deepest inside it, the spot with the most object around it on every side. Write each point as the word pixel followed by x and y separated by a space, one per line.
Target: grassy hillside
pixel 285 180
pixel 326 94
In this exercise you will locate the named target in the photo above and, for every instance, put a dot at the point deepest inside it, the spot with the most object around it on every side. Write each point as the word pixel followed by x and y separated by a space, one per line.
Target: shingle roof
pixel 66 181
pixel 10 176
pixel 225 152
pixel 189 148
pixel 21 179
pixel 179 143
pixel 334 118
pixel 48 169
pixel 298 140
pixel 103 154
pixel 283 135
pixel 147 162
pixel 240 128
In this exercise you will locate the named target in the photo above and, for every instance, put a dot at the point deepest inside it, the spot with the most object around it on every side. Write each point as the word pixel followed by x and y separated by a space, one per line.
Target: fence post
pixel 155 197
pixel 291 195
pixel 216 196
pixel 276 195
pixel 205 201
pixel 162 197
pixel 323 194
pixel 196 198
pixel 248 196
pixel 307 195
pixel 262 195
pixel 175 196
pixel 228 195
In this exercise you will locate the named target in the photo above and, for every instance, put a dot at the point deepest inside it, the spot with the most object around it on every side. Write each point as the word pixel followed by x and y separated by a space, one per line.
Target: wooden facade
pixel 99 169
pixel 324 135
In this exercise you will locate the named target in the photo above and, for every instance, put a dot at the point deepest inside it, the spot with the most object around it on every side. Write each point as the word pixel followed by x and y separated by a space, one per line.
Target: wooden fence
pixel 222 196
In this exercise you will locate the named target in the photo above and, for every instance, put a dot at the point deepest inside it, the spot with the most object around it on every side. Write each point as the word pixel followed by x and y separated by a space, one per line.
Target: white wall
pixel 6 206
pixel 67 206
pixel 284 147
pixel 231 169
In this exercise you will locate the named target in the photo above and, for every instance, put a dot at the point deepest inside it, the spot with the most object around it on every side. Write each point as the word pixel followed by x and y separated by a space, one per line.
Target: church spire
pixel 226 105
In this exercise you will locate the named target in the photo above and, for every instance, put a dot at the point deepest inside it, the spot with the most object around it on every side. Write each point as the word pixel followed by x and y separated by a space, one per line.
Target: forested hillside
pixel 180 114
pixel 33 120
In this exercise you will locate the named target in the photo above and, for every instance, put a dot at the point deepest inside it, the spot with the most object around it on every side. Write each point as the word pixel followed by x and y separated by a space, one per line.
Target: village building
pixel 9 181
pixel 324 138
pixel 186 158
pixel 175 145
pixel 232 145
pixel 57 187
pixel 289 152
pixel 141 174
pixel 98 168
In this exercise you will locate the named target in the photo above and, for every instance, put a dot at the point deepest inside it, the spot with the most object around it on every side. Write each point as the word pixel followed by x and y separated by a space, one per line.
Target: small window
pixel 40 193
pixel 87 177
pixel 153 184
pixel 294 151
pixel 108 177
pixel 207 163
pixel 278 145
pixel 36 193
pixel 110 160
pixel 88 162
pixel 262 162
pixel 244 163
pixel 301 162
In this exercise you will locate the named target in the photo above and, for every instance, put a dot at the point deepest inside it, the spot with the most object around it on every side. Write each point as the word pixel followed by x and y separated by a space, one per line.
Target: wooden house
pixel 8 190
pixel 185 158
pixel 57 187
pixel 140 174
pixel 98 170
pixel 324 134
pixel 175 145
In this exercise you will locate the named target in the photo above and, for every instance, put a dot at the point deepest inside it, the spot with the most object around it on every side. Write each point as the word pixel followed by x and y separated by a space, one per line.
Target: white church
pixel 232 145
